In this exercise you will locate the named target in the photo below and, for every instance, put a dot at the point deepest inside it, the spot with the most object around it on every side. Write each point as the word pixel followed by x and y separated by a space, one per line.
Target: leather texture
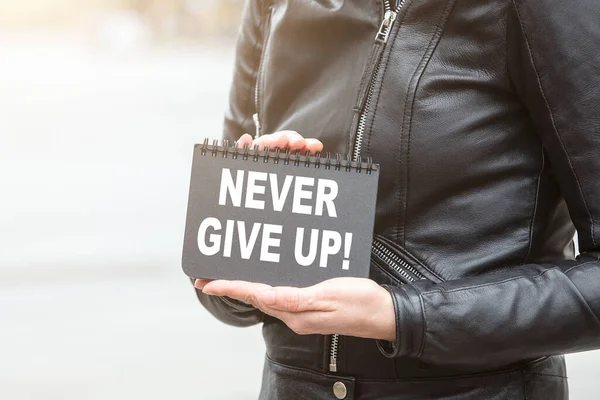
pixel 485 120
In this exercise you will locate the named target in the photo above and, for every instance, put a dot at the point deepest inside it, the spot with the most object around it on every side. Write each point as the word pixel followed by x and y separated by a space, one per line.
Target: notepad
pixel 278 217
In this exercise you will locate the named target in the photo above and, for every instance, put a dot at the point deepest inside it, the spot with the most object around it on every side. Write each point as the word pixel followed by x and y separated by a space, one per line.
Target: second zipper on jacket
pixel 402 270
pixel 257 114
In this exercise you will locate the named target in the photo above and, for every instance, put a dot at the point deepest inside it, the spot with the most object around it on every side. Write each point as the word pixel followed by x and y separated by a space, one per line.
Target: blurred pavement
pixel 95 151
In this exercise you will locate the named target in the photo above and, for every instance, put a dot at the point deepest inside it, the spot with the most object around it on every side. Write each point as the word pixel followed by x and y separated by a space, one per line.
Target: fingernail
pixel 207 292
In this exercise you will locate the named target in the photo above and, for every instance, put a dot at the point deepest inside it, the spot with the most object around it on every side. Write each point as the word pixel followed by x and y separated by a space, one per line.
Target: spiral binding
pixel 286 157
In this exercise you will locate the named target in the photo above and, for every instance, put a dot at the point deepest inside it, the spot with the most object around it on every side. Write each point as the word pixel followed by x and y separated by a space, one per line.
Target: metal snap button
pixel 339 390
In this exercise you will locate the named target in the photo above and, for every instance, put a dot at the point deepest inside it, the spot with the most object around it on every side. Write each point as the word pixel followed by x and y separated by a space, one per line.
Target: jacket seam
pixel 406 10
pixel 506 61
pixel 431 47
pixel 524 380
pixel 488 284
pixel 250 95
pixel 535 206
pixel 451 378
pixel 424 329
pixel 259 92
pixel 506 280
pixel 581 265
pixel 555 128
pixel 371 123
pixel 300 369
pixel 365 79
pixel 543 374
pixel 584 300
pixel 397 346
pixel 399 195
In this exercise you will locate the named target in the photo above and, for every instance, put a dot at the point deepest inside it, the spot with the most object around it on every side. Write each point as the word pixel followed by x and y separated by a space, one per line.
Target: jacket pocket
pixel 391 262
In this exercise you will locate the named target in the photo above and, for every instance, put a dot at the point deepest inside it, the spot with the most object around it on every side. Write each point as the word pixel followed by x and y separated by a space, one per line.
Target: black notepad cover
pixel 354 209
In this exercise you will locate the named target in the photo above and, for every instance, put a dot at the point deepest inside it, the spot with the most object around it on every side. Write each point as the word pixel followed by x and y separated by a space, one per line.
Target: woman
pixel 484 117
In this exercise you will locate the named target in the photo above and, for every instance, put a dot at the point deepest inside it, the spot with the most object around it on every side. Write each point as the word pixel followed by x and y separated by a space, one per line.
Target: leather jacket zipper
pixel 380 40
pixel 333 352
pixel 256 116
pixel 406 272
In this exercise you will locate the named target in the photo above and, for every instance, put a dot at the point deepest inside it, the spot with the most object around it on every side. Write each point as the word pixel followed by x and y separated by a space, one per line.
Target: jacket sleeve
pixel 238 120
pixel 531 310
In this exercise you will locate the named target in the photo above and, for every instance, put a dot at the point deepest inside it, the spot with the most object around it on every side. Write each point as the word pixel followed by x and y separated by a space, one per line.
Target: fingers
pixel 200 283
pixel 244 140
pixel 284 139
pixel 301 309
pixel 239 290
pixel 313 145
pixel 292 300
pixel 267 298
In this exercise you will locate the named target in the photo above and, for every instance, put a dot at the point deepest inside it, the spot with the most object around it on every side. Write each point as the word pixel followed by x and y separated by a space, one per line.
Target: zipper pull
pixel 386 26
pixel 257 125
pixel 332 364
pixel 333 352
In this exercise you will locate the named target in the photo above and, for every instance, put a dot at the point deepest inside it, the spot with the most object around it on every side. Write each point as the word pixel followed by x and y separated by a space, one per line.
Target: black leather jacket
pixel 484 116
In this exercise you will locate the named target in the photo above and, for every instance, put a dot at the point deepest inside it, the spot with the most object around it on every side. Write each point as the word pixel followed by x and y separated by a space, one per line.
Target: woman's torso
pixel 464 186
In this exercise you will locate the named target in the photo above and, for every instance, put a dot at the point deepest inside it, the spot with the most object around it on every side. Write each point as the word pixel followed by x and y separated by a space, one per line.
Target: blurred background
pixel 101 102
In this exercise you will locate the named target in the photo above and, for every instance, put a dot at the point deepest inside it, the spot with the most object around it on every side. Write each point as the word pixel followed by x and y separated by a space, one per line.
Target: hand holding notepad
pixel 278 217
